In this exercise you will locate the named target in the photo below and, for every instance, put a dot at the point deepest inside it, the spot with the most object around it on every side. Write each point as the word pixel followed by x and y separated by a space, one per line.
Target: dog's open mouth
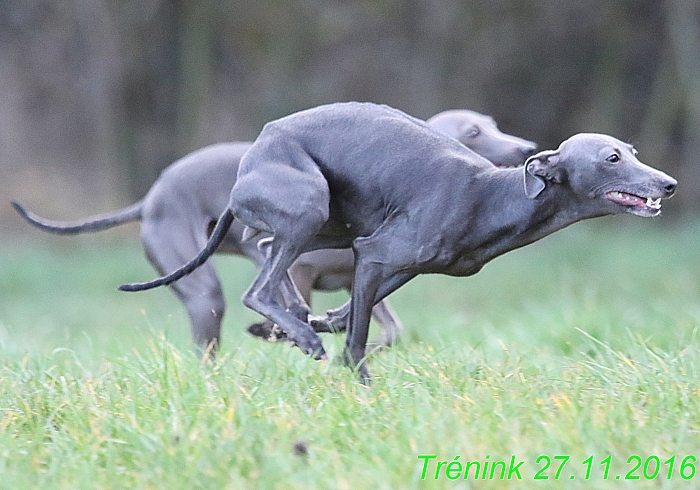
pixel 643 206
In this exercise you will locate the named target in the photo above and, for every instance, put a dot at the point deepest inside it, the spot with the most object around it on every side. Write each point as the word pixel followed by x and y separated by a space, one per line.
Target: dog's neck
pixel 508 219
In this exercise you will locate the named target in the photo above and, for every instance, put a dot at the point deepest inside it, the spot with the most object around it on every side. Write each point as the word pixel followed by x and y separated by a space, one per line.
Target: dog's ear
pixel 540 168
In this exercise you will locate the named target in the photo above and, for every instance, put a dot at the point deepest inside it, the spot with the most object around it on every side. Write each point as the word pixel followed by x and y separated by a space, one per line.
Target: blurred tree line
pixel 97 96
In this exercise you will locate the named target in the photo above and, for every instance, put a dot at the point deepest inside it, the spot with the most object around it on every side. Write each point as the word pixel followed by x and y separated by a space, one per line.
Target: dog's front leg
pixel 376 276
pixel 367 281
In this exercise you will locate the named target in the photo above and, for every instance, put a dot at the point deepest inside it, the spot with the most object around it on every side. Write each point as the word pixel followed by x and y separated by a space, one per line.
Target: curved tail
pixel 217 236
pixel 95 223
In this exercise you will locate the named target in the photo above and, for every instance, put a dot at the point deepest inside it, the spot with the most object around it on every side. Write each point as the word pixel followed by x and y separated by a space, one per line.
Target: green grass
pixel 583 344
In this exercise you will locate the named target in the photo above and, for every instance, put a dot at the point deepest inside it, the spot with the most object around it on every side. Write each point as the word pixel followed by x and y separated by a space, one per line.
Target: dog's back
pixel 354 152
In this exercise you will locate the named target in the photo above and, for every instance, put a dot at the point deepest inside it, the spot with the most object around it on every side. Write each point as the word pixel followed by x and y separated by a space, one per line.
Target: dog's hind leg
pixel 264 296
pixel 281 190
pixel 167 248
pixel 389 321
pixel 336 320
pixel 290 295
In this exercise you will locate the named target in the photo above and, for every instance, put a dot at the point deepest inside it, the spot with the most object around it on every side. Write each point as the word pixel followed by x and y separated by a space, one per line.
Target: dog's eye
pixel 614 158
pixel 473 132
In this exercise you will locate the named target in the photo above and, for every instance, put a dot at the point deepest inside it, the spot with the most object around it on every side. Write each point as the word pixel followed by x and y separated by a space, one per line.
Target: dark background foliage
pixel 98 96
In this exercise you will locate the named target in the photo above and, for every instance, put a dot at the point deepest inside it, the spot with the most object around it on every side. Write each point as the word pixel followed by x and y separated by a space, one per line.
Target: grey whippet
pixel 181 208
pixel 409 201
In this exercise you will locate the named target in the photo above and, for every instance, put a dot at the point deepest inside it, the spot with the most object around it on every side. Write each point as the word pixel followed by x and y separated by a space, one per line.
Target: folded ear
pixel 538 169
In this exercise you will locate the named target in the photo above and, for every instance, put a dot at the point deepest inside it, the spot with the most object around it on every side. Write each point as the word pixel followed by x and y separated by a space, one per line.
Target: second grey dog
pixel 480 133
pixel 181 208
pixel 409 201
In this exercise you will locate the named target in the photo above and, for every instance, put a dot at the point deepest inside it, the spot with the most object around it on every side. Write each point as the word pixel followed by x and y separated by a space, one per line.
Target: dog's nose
pixel 528 150
pixel 670 187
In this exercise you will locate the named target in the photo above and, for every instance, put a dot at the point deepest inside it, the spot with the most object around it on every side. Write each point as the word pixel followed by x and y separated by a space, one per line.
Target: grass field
pixel 582 346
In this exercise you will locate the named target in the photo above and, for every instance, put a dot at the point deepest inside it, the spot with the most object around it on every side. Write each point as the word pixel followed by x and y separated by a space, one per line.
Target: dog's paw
pixel 322 324
pixel 319 324
pixel 312 346
pixel 268 331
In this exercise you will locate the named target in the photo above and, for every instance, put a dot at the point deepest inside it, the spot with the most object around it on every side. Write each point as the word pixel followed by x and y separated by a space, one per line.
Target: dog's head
pixel 602 171
pixel 480 134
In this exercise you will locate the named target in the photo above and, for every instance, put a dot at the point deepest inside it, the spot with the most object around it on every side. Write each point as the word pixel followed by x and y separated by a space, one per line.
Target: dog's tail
pixel 94 223
pixel 217 236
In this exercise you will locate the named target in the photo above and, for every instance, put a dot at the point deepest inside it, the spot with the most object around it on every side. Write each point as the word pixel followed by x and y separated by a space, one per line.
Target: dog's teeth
pixel 653 203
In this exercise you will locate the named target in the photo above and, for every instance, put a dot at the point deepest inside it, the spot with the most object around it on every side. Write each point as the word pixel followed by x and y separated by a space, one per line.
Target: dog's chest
pixel 444 256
